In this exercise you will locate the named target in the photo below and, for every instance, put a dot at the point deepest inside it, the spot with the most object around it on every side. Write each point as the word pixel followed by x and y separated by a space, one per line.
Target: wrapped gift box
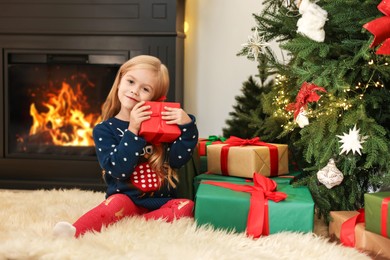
pixel 243 161
pixel 287 179
pixel 377 212
pixel 204 142
pixel 155 130
pixel 202 147
pixel 228 209
pixel 374 244
pixel 216 177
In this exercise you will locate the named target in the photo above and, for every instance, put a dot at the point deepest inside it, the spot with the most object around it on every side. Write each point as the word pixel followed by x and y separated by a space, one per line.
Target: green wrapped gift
pixel 377 212
pixel 228 209
pixel 287 179
pixel 216 177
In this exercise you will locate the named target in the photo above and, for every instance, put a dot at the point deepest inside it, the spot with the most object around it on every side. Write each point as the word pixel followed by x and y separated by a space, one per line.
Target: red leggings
pixel 118 206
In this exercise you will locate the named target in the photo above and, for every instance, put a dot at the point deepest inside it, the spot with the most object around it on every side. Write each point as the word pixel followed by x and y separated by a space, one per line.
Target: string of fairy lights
pixel 327 105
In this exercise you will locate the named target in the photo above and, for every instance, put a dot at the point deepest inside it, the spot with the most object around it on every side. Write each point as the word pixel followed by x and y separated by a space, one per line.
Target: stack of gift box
pixel 367 229
pixel 245 186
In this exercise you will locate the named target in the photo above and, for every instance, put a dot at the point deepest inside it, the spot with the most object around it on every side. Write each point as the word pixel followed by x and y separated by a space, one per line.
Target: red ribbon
pixel 380 28
pixel 305 95
pixel 235 141
pixel 262 190
pixel 384 216
pixel 347 232
pixel 204 142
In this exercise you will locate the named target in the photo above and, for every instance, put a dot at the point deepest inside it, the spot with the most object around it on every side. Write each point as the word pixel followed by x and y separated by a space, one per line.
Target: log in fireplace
pixel 59 59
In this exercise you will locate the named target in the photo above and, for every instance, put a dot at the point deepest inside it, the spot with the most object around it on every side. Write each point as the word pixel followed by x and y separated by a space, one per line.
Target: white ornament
pixel 330 176
pixel 255 45
pixel 352 141
pixel 312 22
pixel 302 119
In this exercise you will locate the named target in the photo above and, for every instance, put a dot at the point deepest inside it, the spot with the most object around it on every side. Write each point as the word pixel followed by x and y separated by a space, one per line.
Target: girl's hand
pixel 138 114
pixel 175 116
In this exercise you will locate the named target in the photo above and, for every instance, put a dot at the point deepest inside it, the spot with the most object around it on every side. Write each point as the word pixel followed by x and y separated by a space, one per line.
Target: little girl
pixel 121 152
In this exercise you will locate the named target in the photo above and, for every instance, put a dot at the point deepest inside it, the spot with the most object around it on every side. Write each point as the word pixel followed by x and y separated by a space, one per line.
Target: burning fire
pixel 64 123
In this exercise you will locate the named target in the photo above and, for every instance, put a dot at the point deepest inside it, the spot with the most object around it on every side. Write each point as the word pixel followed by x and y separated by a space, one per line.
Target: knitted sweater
pixel 119 151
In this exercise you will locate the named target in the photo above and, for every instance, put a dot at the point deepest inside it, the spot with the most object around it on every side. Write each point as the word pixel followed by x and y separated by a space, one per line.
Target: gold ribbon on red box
pixel 236 141
pixel 264 189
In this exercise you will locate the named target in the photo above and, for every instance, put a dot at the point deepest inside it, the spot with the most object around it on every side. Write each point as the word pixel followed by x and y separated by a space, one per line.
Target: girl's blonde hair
pixel 112 106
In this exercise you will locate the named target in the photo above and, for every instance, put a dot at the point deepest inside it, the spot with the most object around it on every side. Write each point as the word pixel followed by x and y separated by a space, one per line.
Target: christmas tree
pixel 330 98
pixel 247 105
pixel 243 109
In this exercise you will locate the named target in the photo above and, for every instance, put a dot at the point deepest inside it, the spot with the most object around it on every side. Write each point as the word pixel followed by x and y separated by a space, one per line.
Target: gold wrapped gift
pixel 243 161
pixel 374 244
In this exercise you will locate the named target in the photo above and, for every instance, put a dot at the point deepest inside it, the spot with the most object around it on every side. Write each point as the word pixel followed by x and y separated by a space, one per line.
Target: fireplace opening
pixel 54 101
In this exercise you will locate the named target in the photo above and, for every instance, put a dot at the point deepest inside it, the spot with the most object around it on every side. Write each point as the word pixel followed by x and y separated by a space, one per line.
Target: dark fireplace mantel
pixel 126 28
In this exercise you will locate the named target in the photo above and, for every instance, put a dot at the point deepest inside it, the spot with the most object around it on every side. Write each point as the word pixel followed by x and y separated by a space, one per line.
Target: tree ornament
pixel 288 3
pixel 352 141
pixel 306 94
pixel 330 176
pixel 380 27
pixel 302 119
pixel 255 45
pixel 312 22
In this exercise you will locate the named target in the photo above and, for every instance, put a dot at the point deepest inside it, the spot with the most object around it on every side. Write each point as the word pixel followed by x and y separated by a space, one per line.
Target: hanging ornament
pixel 352 141
pixel 380 27
pixel 302 119
pixel 306 94
pixel 288 3
pixel 311 24
pixel 255 45
pixel 330 176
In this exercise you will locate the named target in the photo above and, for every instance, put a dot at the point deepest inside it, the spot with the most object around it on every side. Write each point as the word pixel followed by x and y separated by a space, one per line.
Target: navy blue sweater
pixel 119 151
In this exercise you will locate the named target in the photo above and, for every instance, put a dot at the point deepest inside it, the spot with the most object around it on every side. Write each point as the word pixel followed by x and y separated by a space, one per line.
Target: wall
pixel 213 73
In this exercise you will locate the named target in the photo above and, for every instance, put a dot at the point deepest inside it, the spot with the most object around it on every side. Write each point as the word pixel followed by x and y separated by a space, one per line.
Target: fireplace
pixel 59 61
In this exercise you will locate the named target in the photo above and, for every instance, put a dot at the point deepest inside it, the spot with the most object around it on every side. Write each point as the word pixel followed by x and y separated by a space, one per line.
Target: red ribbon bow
pixel 347 232
pixel 380 27
pixel 305 95
pixel 236 141
pixel 263 189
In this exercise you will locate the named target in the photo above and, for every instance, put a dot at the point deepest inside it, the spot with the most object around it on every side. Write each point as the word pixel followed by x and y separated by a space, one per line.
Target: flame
pixel 65 122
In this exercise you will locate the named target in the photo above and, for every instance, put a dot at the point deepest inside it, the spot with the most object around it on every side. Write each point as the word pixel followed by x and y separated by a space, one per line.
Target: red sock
pixel 109 211
pixel 173 209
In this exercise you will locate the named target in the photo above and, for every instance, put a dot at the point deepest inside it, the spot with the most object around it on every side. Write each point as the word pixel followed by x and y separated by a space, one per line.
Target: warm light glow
pixel 64 122
pixel 186 27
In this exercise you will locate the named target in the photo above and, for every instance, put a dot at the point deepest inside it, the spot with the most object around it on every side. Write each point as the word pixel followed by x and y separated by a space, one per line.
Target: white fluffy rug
pixel 27 219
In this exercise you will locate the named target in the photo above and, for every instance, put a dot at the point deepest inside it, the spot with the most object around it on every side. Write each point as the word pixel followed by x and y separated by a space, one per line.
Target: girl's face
pixel 135 86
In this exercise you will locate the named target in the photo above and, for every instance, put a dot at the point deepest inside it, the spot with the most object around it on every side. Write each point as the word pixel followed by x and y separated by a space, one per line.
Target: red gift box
pixel 155 130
